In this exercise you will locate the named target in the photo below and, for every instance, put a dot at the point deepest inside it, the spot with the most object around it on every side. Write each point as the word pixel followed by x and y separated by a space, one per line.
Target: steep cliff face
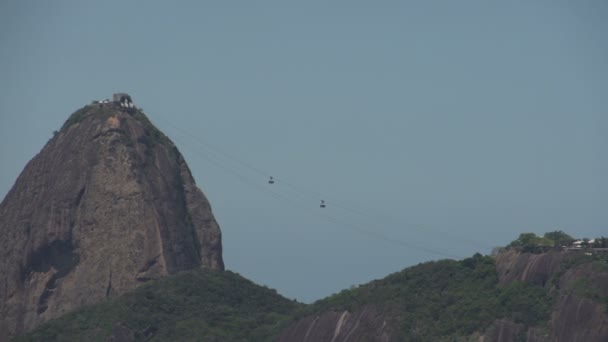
pixel 366 324
pixel 531 268
pixel 577 281
pixel 507 331
pixel 108 204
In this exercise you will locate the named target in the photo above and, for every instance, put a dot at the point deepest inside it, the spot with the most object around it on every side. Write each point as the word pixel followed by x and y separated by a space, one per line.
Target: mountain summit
pixel 108 204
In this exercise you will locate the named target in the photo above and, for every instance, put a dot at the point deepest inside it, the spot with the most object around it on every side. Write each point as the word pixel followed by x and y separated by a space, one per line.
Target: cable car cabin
pixel 322 204
pixel 271 180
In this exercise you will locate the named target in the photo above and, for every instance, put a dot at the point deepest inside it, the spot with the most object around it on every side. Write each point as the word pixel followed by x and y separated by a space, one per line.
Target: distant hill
pixel 515 296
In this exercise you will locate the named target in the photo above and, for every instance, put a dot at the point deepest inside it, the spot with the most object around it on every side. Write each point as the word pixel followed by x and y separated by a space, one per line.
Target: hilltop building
pixel 123 99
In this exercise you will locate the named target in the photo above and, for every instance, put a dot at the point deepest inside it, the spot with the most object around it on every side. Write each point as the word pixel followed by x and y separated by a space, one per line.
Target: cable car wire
pixel 305 193
pixel 326 217
pixel 302 192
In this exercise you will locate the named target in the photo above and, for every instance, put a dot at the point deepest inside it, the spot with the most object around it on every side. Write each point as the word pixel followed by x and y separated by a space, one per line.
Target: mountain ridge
pixel 447 303
pixel 444 300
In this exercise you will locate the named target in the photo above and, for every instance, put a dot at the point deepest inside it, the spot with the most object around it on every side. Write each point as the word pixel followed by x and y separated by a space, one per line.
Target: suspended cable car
pixel 322 204
pixel 271 180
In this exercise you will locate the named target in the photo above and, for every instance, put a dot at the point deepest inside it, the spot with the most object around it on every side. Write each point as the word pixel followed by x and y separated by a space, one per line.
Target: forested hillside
pixel 559 295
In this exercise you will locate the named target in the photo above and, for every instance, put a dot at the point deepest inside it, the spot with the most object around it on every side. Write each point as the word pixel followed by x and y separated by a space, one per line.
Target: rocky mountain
pixel 107 205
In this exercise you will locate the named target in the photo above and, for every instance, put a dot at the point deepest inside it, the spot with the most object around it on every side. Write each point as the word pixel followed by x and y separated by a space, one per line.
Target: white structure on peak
pixel 124 100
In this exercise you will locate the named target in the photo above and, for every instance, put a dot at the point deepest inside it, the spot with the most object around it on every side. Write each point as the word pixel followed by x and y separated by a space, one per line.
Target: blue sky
pixel 431 128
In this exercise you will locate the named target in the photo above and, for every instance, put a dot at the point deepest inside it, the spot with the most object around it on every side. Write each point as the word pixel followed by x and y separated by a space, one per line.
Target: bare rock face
pixel 579 312
pixel 502 331
pixel 528 267
pixel 365 324
pixel 108 204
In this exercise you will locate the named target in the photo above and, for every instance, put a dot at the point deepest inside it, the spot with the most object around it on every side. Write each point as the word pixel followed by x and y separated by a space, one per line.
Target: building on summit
pixel 123 99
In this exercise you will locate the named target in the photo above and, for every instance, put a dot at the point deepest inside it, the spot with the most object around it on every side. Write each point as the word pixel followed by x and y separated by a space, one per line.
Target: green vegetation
pixel 590 286
pixel 559 238
pixel 446 300
pixel 151 138
pixel 442 300
pixel 600 242
pixel 83 113
pixel 531 243
pixel 153 135
pixel 195 305
pixel 76 117
pixel 435 301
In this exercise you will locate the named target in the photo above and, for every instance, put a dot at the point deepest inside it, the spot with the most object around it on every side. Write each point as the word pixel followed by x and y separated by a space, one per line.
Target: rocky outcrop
pixel 528 267
pixel 108 204
pixel 580 312
pixel 503 331
pixel 578 319
pixel 365 324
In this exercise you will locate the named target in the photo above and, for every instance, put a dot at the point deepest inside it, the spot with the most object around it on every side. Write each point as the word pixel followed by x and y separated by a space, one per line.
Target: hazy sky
pixel 431 128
